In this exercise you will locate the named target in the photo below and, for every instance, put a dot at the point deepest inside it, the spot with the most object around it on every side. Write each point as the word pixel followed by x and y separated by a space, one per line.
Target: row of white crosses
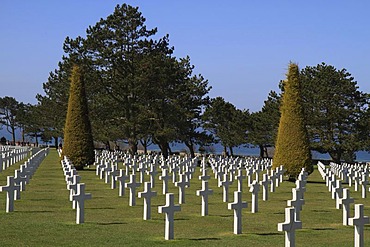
pixel 17 183
pixel 342 196
pixel 358 174
pixel 12 155
pixel 179 171
pixel 292 213
pixel 77 190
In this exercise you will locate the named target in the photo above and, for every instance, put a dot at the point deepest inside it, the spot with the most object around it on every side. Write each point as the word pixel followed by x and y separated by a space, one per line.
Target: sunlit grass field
pixel 44 215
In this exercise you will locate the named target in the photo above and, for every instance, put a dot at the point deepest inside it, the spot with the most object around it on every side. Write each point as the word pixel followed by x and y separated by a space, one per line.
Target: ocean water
pixel 250 150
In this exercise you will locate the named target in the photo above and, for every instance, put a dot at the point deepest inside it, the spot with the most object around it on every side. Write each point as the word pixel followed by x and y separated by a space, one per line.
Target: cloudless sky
pixel 242 47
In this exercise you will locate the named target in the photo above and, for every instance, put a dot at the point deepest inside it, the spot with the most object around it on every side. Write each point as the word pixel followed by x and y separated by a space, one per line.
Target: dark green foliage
pixel 228 124
pixel 9 108
pixel 292 145
pixel 335 111
pixel 78 140
pixel 54 103
pixel 265 123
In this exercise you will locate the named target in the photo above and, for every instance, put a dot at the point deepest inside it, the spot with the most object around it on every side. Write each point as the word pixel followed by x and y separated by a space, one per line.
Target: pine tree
pixel 292 144
pixel 78 140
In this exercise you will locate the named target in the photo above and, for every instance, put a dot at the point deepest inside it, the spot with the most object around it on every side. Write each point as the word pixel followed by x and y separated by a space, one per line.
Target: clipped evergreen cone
pixel 292 143
pixel 78 139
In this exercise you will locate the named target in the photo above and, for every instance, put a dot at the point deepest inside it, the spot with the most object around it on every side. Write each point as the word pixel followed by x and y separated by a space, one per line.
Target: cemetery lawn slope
pixel 44 215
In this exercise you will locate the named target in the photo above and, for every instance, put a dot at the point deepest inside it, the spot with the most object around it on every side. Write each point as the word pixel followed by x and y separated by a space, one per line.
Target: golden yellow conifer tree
pixel 78 139
pixel 292 144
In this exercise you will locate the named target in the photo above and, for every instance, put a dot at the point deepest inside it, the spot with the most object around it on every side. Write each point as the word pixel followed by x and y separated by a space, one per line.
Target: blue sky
pixel 242 47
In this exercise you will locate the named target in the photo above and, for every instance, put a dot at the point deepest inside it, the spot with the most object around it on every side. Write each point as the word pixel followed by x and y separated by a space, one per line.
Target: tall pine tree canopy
pixel 334 109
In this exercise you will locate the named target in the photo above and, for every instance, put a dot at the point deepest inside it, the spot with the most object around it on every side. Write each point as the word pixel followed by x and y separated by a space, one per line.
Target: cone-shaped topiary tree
pixel 292 144
pixel 78 140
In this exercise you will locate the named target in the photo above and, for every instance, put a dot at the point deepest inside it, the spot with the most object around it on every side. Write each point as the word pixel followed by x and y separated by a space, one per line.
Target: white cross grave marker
pixel 237 206
pixel 346 200
pixel 297 203
pixel 165 177
pixel 359 221
pixel 169 209
pixel 132 185
pixel 204 192
pixel 364 182
pixel 254 189
pixel 265 187
pixel 289 227
pixel 240 178
pixel 147 194
pixel 80 197
pixel 182 184
pixel 10 189
pixel 121 182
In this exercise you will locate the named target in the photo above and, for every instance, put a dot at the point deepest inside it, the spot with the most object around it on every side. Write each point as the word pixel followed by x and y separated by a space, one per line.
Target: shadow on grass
pixel 268 233
pixel 225 216
pixel 320 211
pixel 203 239
pixel 110 223
pixel 41 199
pixel 324 229
pixel 101 208
pixel 316 182
pixel 35 211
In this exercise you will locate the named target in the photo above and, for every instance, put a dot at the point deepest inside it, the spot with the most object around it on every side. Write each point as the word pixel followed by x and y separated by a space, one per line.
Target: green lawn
pixel 44 216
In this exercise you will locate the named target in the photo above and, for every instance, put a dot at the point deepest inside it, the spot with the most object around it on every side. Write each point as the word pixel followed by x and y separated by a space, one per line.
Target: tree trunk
pixel 56 141
pixel 231 151
pixel 163 145
pixel 225 151
pixel 23 136
pixel 13 135
pixel 190 145
pixel 169 149
pixel 262 151
pixel 133 146
pixel 335 155
pixel 37 140
pixel 144 142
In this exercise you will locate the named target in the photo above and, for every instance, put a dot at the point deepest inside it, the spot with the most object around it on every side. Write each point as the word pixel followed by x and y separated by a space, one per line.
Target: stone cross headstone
pixel 165 178
pixel 254 189
pixel 204 193
pixel 240 178
pixel 346 201
pixel 357 180
pixel 289 227
pixel 225 187
pixel 359 221
pixel 113 174
pixel 169 209
pixel 237 206
pixel 132 185
pixel 297 203
pixel 72 187
pixel 80 197
pixel 10 189
pixel 265 187
pixel 338 190
pixel 147 194
pixel 152 174
pixel 182 184
pixel 272 179
pixel 121 178
pixel 364 182
pixel 204 176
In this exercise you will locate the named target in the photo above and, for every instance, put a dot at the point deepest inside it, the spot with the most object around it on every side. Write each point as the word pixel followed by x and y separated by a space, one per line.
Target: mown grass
pixel 44 216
